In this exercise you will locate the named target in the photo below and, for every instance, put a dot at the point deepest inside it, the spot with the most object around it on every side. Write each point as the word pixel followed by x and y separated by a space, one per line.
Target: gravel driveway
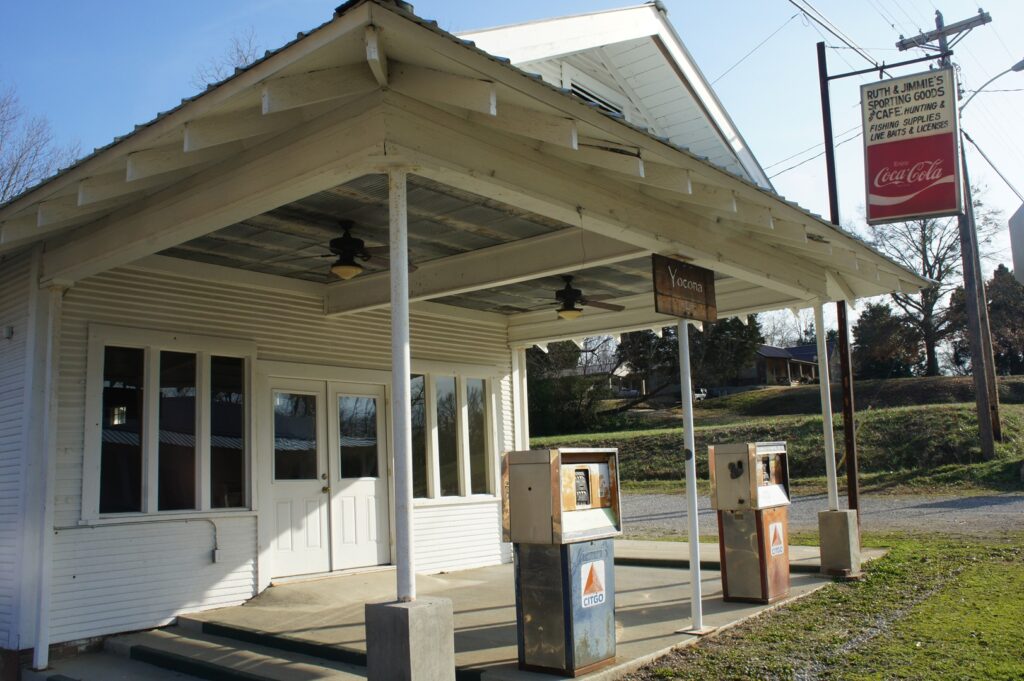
pixel 647 514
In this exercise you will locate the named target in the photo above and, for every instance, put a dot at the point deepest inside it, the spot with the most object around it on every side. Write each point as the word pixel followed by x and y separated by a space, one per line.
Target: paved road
pixel 647 514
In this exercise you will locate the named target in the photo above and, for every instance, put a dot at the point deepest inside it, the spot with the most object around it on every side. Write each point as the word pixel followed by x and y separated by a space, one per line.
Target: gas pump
pixel 561 510
pixel 750 492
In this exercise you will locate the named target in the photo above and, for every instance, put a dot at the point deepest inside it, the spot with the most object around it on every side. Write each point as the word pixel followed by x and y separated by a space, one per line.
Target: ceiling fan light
pixel 570 313
pixel 346 270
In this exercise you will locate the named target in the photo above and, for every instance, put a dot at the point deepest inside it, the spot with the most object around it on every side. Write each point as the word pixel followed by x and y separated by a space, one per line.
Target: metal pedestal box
pixel 754 551
pixel 750 492
pixel 561 509
pixel 565 606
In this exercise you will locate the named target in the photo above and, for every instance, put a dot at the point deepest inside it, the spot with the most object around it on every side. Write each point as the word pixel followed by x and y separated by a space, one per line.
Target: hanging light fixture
pixel 569 312
pixel 346 267
pixel 348 248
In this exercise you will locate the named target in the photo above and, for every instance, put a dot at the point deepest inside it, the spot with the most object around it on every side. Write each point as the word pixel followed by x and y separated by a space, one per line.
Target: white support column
pixel 401 389
pixel 520 400
pixel 690 454
pixel 826 407
pixel 41 651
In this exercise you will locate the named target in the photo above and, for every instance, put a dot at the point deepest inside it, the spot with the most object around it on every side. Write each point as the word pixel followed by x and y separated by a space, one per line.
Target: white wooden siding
pixel 14 288
pixel 120 578
pixel 175 572
pixel 458 536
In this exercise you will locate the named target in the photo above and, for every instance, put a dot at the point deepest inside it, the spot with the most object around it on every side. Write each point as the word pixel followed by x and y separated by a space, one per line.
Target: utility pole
pixel 979 333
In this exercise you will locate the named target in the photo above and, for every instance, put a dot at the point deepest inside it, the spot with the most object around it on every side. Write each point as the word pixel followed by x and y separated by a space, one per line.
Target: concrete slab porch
pixel 652 603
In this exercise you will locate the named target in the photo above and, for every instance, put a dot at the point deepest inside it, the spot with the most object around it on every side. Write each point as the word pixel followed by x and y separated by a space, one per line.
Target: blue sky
pixel 96 69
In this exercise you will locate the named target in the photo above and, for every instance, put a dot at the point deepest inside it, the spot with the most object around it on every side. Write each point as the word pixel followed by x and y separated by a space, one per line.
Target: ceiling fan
pixel 571 300
pixel 348 252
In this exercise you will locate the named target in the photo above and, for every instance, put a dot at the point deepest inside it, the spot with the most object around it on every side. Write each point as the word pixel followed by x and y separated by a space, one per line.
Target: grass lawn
pixel 933 608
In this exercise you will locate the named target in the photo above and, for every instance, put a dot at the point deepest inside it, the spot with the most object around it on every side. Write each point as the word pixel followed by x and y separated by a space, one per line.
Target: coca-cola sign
pixel 910 147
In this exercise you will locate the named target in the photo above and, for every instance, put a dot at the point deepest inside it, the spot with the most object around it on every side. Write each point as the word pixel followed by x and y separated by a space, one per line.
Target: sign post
pixel 910 147
pixel 688 292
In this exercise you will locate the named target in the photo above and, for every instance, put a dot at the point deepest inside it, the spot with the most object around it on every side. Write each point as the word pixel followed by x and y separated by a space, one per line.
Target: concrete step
pixel 351 656
pixel 222 659
pixel 103 666
pixel 348 656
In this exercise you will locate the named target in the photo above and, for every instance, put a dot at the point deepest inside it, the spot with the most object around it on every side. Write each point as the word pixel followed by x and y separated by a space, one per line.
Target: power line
pixel 993 165
pixel 756 48
pixel 818 155
pixel 825 23
pixel 810 148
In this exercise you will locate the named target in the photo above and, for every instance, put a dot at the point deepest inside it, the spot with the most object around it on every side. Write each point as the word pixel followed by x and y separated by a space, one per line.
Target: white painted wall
pixel 131 576
pixel 14 305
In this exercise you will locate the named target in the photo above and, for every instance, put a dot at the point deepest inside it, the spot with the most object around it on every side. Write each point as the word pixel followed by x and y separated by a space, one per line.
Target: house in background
pixel 789 366
pixel 197 396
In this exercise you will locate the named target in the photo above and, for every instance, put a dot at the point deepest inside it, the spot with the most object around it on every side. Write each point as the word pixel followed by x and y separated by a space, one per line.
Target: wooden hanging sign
pixel 683 290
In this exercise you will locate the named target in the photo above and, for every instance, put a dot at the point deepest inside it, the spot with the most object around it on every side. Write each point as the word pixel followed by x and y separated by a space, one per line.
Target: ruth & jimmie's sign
pixel 683 290
pixel 910 147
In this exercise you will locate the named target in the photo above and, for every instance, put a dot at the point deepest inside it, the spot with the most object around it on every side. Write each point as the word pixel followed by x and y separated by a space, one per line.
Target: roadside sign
pixel 683 290
pixel 910 147
pixel 1017 243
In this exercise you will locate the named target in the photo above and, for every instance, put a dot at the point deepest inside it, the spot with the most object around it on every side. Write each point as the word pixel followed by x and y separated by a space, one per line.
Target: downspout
pixel 48 453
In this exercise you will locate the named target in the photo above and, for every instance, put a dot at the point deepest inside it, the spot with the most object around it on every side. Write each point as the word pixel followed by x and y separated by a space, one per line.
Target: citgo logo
pixel 592 576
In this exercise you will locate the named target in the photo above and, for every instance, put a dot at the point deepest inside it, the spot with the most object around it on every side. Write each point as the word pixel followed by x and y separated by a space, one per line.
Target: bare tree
pixel 931 247
pixel 243 49
pixel 28 153
pixel 783 328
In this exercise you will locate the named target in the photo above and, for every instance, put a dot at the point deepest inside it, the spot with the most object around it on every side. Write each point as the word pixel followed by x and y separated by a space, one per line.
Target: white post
pixel 520 401
pixel 689 452
pixel 401 388
pixel 826 408
pixel 41 649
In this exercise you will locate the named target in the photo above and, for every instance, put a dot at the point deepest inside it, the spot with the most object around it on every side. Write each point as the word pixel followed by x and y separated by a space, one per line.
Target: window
pixel 476 410
pixel 419 436
pixel 227 432
pixel 447 435
pixel 172 433
pixel 357 436
pixel 121 446
pixel 177 448
pixel 452 429
pixel 295 445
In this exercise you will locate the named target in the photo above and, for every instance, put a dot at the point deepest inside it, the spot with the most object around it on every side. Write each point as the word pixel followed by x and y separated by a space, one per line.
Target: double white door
pixel 329 476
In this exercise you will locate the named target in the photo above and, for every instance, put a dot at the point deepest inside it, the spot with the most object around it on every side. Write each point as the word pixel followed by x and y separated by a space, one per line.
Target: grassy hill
pixel 896 392
pixel 932 444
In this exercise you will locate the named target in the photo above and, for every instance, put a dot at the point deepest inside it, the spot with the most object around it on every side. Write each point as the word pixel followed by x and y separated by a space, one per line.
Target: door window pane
pixel 447 435
pixel 177 452
pixel 295 437
pixel 419 436
pixel 227 432
pixel 476 403
pixel 357 423
pixel 121 448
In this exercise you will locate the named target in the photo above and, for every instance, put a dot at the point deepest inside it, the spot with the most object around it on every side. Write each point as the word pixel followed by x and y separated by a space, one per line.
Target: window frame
pixel 152 342
pixel 491 377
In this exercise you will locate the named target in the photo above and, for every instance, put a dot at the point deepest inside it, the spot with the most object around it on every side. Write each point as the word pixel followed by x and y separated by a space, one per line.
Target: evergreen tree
pixel 884 345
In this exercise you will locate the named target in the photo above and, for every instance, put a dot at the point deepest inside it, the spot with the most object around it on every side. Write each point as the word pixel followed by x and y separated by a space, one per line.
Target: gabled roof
pixel 249 145
pixel 806 353
pixel 636 53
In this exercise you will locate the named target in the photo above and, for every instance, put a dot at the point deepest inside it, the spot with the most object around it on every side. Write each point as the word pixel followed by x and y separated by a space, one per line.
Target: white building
pixel 192 405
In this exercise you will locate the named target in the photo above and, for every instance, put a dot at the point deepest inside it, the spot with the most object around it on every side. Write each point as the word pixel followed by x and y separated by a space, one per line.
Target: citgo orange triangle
pixel 594 585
